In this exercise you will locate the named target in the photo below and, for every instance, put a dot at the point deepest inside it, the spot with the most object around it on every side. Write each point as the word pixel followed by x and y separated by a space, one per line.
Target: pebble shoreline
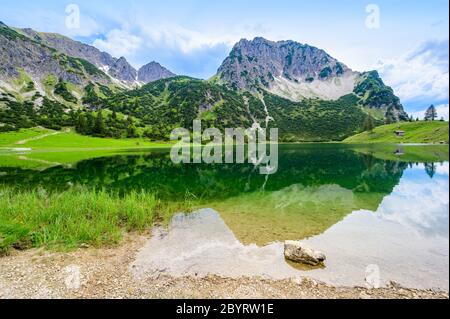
pixel 104 273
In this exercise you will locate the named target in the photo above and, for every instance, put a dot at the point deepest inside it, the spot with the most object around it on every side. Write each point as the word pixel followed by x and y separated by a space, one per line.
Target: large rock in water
pixel 298 252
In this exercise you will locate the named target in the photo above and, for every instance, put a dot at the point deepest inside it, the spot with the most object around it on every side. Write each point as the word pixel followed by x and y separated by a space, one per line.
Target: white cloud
pixel 175 37
pixel 86 27
pixel 443 169
pixel 442 111
pixel 420 74
pixel 119 43
pixel 421 205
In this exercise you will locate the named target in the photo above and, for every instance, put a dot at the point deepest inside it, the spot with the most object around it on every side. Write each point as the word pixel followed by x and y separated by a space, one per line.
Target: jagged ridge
pixel 300 71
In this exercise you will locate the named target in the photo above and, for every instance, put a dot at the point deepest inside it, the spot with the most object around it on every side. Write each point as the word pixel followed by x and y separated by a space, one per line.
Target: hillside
pixel 171 103
pixel 415 132
pixel 40 138
pixel 34 65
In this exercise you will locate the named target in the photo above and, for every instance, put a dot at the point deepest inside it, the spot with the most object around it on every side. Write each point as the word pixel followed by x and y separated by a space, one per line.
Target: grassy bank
pixel 71 218
pixel 407 153
pixel 9 139
pixel 415 132
pixel 38 138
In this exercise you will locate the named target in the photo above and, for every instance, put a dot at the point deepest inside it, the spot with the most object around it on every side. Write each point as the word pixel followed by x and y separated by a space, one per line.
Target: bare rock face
pixel 119 69
pixel 123 71
pixel 260 62
pixel 153 72
pixel 22 53
pixel 71 47
pixel 298 71
pixel 298 252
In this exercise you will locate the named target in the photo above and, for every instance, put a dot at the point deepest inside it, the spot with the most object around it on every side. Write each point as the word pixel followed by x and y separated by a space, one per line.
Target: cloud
pixel 181 49
pixel 119 43
pixel 443 169
pixel 421 74
pixel 178 38
pixel 442 111
pixel 420 204
pixel 87 27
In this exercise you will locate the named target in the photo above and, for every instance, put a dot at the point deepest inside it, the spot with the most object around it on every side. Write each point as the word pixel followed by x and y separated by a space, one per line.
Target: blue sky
pixel 409 46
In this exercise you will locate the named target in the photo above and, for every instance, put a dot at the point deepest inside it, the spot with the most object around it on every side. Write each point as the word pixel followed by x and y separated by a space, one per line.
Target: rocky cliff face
pixel 152 72
pixel 120 69
pixel 34 65
pixel 298 71
pixel 21 55
pixel 123 71
pixel 72 48
pixel 374 94
pixel 260 63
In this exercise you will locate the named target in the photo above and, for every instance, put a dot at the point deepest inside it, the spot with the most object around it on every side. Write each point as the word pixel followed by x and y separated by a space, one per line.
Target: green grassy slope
pixel 9 139
pixel 170 103
pixel 415 132
pixel 69 140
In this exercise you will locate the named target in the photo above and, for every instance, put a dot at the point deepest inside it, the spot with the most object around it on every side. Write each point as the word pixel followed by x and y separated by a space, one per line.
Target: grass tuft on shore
pixel 72 218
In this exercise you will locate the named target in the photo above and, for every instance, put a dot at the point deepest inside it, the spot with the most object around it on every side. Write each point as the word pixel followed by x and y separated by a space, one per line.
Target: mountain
pixel 34 65
pixel 29 66
pixel 122 70
pixel 118 69
pixel 299 71
pixel 50 80
pixel 153 72
pixel 70 47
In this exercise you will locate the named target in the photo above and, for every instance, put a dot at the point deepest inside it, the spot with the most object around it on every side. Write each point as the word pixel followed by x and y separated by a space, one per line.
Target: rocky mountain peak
pixel 153 71
pixel 298 71
pixel 119 69
pixel 122 70
pixel 283 65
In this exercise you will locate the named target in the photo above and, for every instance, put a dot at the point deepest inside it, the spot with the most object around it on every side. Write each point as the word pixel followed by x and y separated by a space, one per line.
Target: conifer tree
pixel 431 113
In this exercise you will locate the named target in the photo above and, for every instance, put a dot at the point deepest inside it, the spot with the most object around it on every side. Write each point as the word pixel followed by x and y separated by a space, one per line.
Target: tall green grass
pixel 69 219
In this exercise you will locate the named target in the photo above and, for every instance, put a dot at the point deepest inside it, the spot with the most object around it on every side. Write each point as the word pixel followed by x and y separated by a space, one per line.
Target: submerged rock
pixel 298 252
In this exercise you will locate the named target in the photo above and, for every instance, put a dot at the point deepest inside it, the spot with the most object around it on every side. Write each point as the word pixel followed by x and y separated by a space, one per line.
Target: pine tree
pixel 431 113
pixel 82 126
pixel 368 123
pixel 129 121
pixel 90 123
pixel 131 129
pixel 99 127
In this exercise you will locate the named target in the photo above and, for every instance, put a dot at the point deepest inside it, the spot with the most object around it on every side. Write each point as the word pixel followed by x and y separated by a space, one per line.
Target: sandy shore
pixel 105 273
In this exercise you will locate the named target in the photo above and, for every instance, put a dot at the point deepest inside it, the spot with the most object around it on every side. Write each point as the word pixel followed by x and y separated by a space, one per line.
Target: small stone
pixel 300 253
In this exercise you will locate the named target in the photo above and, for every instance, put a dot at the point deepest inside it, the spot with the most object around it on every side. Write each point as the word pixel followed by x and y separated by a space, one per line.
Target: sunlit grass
pixel 415 132
pixel 68 139
pixel 71 218
pixel 9 139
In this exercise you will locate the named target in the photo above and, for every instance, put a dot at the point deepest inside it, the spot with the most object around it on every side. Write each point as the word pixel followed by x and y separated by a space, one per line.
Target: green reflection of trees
pixel 314 188
pixel 155 172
